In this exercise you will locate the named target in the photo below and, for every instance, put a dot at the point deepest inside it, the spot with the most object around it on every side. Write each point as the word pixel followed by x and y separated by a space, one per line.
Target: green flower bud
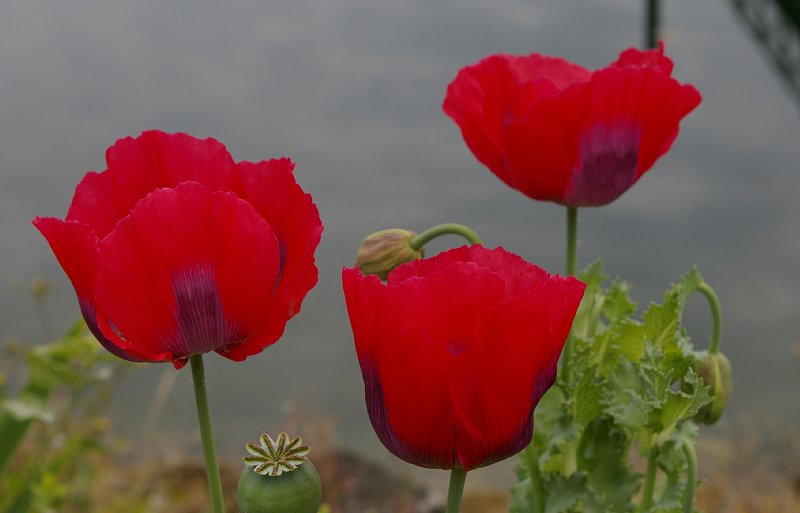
pixel 382 251
pixel 278 478
pixel 715 371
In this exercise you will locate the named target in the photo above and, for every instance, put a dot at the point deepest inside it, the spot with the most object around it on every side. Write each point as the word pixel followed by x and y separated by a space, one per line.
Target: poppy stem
pixel 444 229
pixel 691 479
pixel 572 240
pixel 716 313
pixel 206 433
pixel 572 264
pixel 649 482
pixel 456 490
pixel 531 459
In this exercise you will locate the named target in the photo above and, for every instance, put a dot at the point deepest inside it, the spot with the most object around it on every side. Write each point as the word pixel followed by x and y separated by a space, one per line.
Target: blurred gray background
pixel 351 90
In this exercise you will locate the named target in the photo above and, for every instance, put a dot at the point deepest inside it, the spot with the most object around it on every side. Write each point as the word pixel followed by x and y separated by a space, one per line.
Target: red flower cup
pixel 557 132
pixel 456 350
pixel 176 250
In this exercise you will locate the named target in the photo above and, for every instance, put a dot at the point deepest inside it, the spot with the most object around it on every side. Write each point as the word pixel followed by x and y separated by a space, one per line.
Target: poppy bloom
pixel 557 132
pixel 177 250
pixel 456 351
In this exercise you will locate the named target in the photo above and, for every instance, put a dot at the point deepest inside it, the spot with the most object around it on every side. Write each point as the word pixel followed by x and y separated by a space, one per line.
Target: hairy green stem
pixel 716 313
pixel 649 482
pixel 531 459
pixel 691 478
pixel 456 490
pixel 204 418
pixel 444 229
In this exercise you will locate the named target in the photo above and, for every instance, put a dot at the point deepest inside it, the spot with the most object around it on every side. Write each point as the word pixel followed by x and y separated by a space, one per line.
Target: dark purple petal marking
pixel 90 316
pixel 382 425
pixel 608 166
pixel 202 326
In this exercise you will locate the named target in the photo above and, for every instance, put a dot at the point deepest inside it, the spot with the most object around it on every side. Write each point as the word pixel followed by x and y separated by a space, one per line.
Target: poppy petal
pixel 75 247
pixel 652 58
pixel 485 96
pixel 271 188
pixel 188 271
pixel 517 348
pixel 137 166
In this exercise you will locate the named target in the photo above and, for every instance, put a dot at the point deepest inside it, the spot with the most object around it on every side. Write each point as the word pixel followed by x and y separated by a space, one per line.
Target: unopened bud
pixel 715 371
pixel 385 250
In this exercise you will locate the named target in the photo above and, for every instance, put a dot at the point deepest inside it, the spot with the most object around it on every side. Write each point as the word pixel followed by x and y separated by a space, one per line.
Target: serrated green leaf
pixel 603 456
pixel 682 405
pixel 564 492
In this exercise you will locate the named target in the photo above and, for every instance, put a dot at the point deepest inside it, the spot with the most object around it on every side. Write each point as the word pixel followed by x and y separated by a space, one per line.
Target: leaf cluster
pixel 628 393
pixel 52 423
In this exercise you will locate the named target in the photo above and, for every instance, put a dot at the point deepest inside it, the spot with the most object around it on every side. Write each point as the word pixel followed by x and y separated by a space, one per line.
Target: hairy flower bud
pixel 382 251
pixel 715 371
pixel 278 478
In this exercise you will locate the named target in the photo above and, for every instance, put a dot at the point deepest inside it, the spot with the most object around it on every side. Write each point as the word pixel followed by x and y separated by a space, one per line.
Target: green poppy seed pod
pixel 278 478
pixel 715 371
pixel 382 251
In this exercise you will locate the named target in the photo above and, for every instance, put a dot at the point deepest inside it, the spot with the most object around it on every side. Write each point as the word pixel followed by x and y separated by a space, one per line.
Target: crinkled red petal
pixel 137 166
pixel 511 364
pixel 485 96
pixel 271 188
pixel 596 139
pixel 652 58
pixel 188 271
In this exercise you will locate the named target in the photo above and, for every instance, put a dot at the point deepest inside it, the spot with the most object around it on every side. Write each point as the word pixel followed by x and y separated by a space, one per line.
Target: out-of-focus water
pixel 351 90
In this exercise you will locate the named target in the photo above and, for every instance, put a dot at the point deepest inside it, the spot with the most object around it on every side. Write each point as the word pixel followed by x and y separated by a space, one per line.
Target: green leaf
pixel 564 492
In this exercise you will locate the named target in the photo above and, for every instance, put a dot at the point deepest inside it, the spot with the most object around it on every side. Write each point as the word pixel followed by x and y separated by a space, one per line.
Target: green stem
pixel 691 479
pixel 572 264
pixel 652 23
pixel 456 490
pixel 443 229
pixel 531 459
pixel 204 418
pixel 649 482
pixel 716 313
pixel 572 240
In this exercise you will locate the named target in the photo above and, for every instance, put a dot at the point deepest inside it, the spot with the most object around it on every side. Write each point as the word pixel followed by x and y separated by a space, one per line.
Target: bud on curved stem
pixel 381 252
pixel 384 250
pixel 715 371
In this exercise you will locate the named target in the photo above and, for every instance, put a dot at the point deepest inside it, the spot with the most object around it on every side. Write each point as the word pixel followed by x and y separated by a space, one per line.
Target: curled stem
pixel 456 490
pixel 206 433
pixel 444 229
pixel 691 479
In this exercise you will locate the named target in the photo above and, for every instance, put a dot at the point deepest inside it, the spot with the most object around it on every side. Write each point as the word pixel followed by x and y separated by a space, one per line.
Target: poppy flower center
pixel 609 156
pixel 202 327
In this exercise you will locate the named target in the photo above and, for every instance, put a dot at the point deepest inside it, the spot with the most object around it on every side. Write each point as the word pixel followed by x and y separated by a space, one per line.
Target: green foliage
pixel 52 424
pixel 630 387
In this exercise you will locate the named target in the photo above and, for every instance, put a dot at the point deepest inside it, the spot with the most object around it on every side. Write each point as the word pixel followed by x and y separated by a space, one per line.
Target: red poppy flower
pixel 456 351
pixel 558 132
pixel 175 249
